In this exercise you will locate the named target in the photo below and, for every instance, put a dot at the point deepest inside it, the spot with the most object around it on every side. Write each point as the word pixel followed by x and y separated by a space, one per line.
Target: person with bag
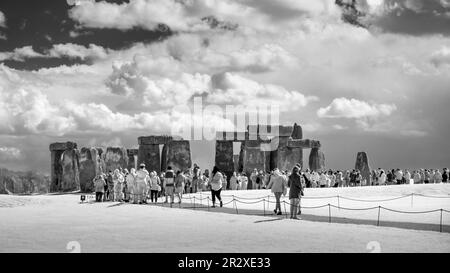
pixel 216 183
pixel 278 186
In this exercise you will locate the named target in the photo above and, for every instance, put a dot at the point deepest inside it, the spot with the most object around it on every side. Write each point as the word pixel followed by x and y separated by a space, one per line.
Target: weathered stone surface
pixel 70 171
pixel 64 167
pixel 89 160
pixel 271 130
pixel 132 158
pixel 254 157
pixel 150 156
pixel 236 162
pixel 224 157
pixel 62 146
pixel 232 136
pixel 303 143
pixel 154 140
pixel 286 158
pixel 297 132
pixel 115 158
pixel 316 160
pixel 362 164
pixel 177 154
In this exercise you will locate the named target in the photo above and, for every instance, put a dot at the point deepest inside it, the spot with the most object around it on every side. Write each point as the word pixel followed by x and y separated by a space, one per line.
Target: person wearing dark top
pixel 295 191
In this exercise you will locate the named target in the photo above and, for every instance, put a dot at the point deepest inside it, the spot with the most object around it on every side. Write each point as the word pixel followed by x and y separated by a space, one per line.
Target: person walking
pixel 99 185
pixel 216 185
pixel 295 189
pixel 278 186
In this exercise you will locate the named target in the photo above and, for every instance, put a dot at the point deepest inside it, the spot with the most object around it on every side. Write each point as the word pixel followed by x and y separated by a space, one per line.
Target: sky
pixel 102 73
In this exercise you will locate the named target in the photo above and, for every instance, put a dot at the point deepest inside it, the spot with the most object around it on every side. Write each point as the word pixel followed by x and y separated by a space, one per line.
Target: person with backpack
pixel 216 185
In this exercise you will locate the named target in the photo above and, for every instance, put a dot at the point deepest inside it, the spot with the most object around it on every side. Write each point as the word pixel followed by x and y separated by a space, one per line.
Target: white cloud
pixel 20 54
pixel 78 51
pixel 353 108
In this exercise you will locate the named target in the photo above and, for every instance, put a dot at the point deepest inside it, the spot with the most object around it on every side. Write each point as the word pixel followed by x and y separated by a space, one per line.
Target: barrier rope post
pixel 235 205
pixel 264 206
pixel 378 219
pixel 412 199
pixel 285 212
pixel 207 198
pixel 440 225
pixel 194 202
pixel 329 213
pixel 339 203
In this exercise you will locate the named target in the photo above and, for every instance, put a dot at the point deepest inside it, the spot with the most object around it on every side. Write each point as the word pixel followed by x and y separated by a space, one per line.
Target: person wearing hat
pixel 142 179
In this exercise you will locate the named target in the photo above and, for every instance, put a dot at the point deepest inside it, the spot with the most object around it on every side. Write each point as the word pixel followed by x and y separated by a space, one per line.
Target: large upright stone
pixel 362 164
pixel 132 158
pixel 70 171
pixel 224 157
pixel 115 158
pixel 148 152
pixel 285 158
pixel 254 157
pixel 177 154
pixel 316 160
pixel 89 160
pixel 64 167
pixel 297 132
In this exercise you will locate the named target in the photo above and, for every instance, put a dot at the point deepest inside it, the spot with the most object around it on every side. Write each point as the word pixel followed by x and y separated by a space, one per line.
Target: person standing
pixel 131 186
pixel 99 185
pixel 295 190
pixel 382 178
pixel 216 186
pixel 110 182
pixel 233 182
pixel 169 184
pixel 253 177
pixel 195 178
pixel 445 175
pixel 155 187
pixel 179 182
pixel 142 179
pixel 278 186
pixel 437 177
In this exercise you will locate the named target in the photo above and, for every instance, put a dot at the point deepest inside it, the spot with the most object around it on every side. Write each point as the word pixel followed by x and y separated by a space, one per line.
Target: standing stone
pixel 362 164
pixel 70 171
pixel 224 157
pixel 297 132
pixel 236 162
pixel 132 158
pixel 177 154
pixel 316 160
pixel 149 152
pixel 254 158
pixel 64 167
pixel 115 158
pixel 88 168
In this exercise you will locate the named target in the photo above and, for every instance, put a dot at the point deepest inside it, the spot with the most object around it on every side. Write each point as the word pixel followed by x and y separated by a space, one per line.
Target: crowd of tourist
pixel 141 186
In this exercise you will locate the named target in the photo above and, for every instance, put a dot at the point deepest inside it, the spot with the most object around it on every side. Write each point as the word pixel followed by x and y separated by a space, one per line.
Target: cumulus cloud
pixel 188 15
pixel 353 108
